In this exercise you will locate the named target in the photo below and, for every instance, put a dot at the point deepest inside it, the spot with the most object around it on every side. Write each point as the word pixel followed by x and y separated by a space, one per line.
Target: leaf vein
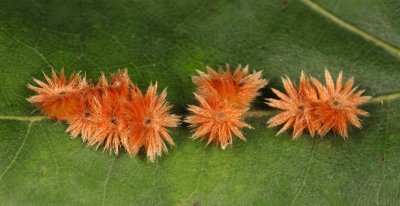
pixel 14 159
pixel 307 172
pixel 391 49
pixel 34 49
pixel 107 181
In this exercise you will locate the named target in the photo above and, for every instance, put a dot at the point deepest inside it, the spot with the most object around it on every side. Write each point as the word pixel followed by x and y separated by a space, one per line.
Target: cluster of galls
pixel 112 113
pixel 116 113
pixel 224 98
pixel 318 108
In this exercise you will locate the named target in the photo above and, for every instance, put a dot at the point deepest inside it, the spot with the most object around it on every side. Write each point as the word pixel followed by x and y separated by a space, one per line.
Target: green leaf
pixel 379 18
pixel 166 41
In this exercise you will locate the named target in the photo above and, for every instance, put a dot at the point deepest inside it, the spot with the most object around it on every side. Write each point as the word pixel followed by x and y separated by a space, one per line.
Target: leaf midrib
pixel 251 114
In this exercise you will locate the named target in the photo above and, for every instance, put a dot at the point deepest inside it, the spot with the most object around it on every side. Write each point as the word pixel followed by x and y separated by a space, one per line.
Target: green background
pixel 166 41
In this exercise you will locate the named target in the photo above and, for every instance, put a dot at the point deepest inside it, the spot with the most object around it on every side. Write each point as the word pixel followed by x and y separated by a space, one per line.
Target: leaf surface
pixel 166 41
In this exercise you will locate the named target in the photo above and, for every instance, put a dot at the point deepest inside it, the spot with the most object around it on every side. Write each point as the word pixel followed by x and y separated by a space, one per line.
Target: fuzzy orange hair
pixel 319 108
pixel 59 96
pixel 224 98
pixel 113 113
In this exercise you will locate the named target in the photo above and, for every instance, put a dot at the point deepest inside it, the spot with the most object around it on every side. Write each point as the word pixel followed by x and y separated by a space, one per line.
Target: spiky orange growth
pixel 59 97
pixel 108 109
pixel 107 116
pixel 224 97
pixel 99 105
pixel 238 88
pixel 338 105
pixel 216 121
pixel 81 121
pixel 108 113
pixel 147 117
pixel 298 107
pixel 319 108
pixel 121 85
